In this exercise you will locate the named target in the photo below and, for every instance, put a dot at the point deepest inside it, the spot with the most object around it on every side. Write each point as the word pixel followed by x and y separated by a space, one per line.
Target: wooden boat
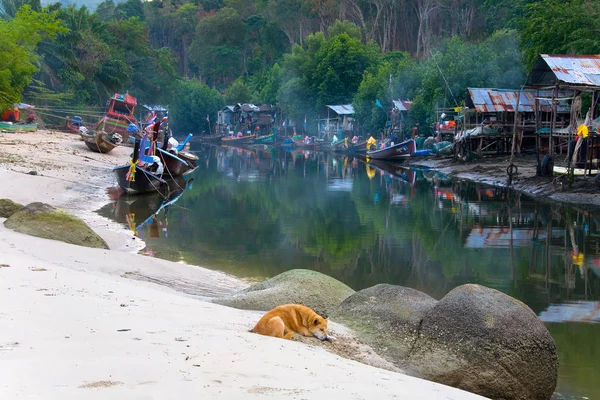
pixel 99 142
pixel 232 141
pixel 396 152
pixel 358 148
pixel 340 146
pixel 173 164
pixel 119 115
pixel 144 180
pixel 265 139
pixel 300 143
pixel 13 128
pixel 143 207
pixel 211 138
pixel 576 171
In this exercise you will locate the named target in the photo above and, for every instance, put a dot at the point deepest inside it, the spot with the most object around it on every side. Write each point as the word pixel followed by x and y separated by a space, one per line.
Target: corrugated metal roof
pixel 344 109
pixel 577 70
pixel 502 100
pixel 402 105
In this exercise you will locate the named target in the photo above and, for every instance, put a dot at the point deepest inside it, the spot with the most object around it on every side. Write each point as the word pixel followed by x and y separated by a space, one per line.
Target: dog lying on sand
pixel 284 321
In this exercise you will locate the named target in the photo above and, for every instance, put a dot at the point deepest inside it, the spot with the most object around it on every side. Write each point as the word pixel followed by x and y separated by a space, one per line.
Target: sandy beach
pixel 90 323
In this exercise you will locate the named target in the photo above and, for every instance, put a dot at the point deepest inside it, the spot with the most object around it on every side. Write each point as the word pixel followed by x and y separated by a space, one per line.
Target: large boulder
pixel 42 220
pixel 318 291
pixel 483 341
pixel 387 317
pixel 8 208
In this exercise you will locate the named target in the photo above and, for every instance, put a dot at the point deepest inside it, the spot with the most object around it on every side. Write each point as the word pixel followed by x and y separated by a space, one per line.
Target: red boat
pixel 119 115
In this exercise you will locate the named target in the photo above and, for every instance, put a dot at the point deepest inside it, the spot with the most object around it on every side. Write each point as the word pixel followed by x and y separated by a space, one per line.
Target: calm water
pixel 257 213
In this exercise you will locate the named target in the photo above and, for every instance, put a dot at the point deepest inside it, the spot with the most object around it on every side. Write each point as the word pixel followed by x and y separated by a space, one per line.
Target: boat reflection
pixel 141 211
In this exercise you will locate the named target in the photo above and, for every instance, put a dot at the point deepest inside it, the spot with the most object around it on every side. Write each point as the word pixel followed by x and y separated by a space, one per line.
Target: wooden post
pixel 553 124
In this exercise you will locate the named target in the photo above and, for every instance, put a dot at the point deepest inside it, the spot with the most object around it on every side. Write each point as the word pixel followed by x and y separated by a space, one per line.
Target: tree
pixel 19 38
pixel 217 48
pixel 191 103
pixel 238 92
pixel 574 28
pixel 106 10
pixel 130 9
pixel 339 70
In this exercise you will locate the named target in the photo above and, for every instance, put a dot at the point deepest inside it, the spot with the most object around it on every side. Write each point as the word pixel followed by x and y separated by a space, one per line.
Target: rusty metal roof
pixel 577 70
pixel 344 109
pixel 504 100
pixel 402 105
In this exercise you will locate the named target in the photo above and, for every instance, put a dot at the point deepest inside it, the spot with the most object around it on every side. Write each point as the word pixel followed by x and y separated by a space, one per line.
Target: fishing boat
pixel 143 173
pixel 265 139
pixel 237 140
pixel 396 152
pixel 211 138
pixel 576 171
pixel 358 148
pixel 137 210
pixel 14 128
pixel 339 146
pixel 119 116
pixel 306 143
pixel 174 165
pixel 100 142
pixel 145 181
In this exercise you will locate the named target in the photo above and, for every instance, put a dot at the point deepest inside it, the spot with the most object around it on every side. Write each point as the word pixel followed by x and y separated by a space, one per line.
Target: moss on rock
pixel 8 208
pixel 313 289
pixel 45 221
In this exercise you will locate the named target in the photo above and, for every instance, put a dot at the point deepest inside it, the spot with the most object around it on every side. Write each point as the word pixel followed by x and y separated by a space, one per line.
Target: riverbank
pixel 97 323
pixel 492 171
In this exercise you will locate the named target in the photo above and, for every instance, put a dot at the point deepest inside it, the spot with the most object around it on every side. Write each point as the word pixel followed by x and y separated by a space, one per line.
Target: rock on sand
pixel 8 208
pixel 318 291
pixel 481 340
pixel 42 220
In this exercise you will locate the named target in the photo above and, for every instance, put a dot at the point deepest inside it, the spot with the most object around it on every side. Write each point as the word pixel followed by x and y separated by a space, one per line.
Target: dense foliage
pixel 297 54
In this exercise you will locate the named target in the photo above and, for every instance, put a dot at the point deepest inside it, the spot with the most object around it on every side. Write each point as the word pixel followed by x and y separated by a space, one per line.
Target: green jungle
pixel 196 56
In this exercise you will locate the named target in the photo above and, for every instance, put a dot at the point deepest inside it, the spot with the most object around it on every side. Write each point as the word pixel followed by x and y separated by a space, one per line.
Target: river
pixel 257 213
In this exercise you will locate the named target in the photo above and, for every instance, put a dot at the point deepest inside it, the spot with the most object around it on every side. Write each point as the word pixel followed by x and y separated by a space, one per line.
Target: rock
pixel 313 289
pixel 483 341
pixel 8 208
pixel 32 173
pixel 387 317
pixel 42 220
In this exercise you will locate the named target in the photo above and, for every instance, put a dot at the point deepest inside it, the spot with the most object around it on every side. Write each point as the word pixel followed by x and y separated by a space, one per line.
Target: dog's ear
pixel 316 321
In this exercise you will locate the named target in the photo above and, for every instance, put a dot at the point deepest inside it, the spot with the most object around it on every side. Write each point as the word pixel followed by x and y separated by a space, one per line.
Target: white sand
pixel 62 308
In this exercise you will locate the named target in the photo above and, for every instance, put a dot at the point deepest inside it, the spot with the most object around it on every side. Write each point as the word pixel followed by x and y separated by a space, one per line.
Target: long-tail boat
pixel 235 140
pixel 119 115
pixel 100 142
pixel 265 139
pixel 396 152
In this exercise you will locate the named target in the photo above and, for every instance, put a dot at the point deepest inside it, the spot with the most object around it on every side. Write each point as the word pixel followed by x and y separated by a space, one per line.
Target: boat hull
pixel 233 141
pixel 145 182
pixel 302 145
pixel 111 125
pixel 358 148
pixel 98 142
pixel 174 165
pixel 396 152
pixel 265 139
pixel 8 127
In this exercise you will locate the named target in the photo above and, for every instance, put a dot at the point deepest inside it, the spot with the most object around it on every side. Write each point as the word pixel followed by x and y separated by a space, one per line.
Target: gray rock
pixel 8 208
pixel 42 220
pixel 313 289
pixel 387 317
pixel 483 341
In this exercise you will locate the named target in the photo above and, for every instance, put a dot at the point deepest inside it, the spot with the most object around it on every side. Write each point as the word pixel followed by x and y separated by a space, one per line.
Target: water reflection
pixel 258 212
